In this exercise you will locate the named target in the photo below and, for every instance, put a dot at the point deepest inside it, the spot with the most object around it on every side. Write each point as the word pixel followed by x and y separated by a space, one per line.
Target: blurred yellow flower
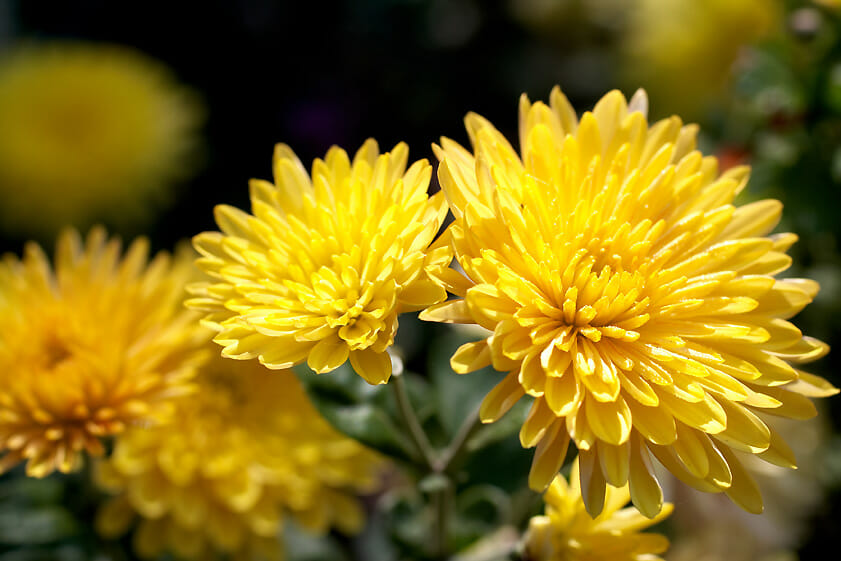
pixel 244 453
pixel 683 51
pixel 90 133
pixel 628 296
pixel 322 269
pixel 567 533
pixel 99 344
pixel 709 528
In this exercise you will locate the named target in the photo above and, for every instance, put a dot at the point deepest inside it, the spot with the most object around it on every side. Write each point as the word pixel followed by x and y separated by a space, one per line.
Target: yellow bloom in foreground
pixel 243 453
pixel 99 344
pixel 567 533
pixel 628 296
pixel 89 132
pixel 324 266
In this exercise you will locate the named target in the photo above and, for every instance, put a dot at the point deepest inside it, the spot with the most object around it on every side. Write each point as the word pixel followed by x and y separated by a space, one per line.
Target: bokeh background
pixel 762 77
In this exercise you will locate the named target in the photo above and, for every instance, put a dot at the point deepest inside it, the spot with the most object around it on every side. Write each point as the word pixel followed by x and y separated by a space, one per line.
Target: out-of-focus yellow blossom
pixel 567 533
pixel 723 542
pixel 242 454
pixel 708 528
pixel 89 133
pixel 628 296
pixel 556 17
pixel 683 51
pixel 834 4
pixel 324 266
pixel 85 351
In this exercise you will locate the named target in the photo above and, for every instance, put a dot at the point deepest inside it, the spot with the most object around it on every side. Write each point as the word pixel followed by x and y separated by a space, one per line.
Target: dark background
pixel 314 74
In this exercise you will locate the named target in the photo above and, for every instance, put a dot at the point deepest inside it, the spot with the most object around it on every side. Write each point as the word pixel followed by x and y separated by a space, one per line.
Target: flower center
pixel 351 305
pixel 55 351
pixel 600 301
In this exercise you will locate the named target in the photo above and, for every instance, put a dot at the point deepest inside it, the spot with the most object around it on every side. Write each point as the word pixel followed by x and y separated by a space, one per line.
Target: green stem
pixel 441 464
pixel 451 456
pixel 442 515
pixel 416 433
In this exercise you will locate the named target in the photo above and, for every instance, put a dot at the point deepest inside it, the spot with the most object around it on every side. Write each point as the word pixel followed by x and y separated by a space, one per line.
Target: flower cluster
pixel 242 454
pixel 87 350
pixel 616 282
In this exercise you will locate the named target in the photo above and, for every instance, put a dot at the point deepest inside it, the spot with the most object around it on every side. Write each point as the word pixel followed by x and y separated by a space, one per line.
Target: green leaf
pixel 358 410
pixel 32 526
pixel 457 395
pixel 21 489
pixel 301 545
pixel 408 521
pixel 375 541
pixel 508 425
pixel 69 552
pixel 433 483
pixel 495 455
pixel 479 510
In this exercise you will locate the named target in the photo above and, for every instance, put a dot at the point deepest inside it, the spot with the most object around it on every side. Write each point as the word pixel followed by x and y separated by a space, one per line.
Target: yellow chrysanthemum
pixel 628 296
pixel 567 533
pixel 89 132
pixel 683 51
pixel 322 269
pixel 243 453
pixel 99 344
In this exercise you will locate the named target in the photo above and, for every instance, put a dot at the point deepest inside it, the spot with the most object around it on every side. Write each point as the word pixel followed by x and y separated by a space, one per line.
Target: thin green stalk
pixel 442 520
pixel 452 454
pixel 440 465
pixel 416 433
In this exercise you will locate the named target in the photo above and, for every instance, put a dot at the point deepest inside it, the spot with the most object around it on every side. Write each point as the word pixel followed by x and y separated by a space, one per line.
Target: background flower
pixel 322 269
pixel 704 523
pixel 568 533
pixel 100 344
pixel 685 52
pixel 240 456
pixel 628 297
pixel 90 133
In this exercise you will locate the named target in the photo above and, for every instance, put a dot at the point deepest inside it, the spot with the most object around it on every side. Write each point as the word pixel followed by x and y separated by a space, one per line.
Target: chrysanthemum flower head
pixel 90 133
pixel 245 452
pixel 628 296
pixel 566 532
pixel 324 265
pixel 100 343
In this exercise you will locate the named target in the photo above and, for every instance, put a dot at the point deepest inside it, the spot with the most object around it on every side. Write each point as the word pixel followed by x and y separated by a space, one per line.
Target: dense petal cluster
pixel 628 296
pixel 324 266
pixel 85 351
pixel 90 132
pixel 246 451
pixel 568 533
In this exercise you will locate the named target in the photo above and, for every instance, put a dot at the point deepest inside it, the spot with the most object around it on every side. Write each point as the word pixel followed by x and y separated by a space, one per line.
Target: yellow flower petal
pixel 373 366
pixel 501 398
